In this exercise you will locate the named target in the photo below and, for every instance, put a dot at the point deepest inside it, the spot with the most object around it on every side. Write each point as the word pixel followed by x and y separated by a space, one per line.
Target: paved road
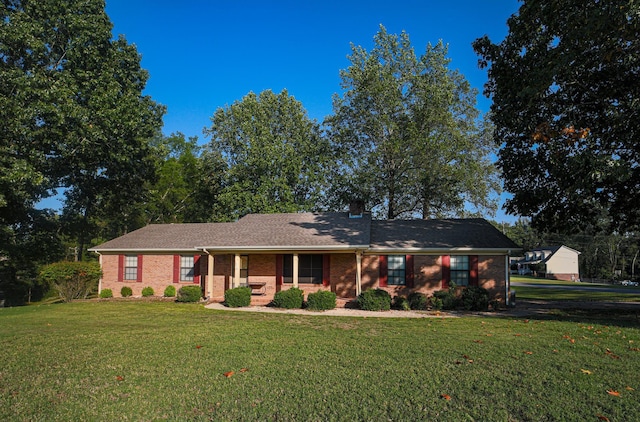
pixel 580 286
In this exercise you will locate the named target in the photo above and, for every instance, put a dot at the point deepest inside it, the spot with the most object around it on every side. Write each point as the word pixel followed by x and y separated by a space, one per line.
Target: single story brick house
pixel 342 252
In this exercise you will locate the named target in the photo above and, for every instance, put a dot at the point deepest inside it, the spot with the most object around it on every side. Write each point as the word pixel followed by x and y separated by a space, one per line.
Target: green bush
pixel 474 298
pixel 189 294
pixel 147 291
pixel 292 298
pixel 400 303
pixel 72 280
pixel 374 300
pixel 417 301
pixel 238 297
pixel 106 293
pixel 170 291
pixel 322 300
pixel 435 303
pixel 126 291
pixel 448 298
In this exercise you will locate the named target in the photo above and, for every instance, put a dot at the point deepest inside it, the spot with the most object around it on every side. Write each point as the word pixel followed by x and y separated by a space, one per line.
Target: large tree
pixel 274 156
pixel 408 134
pixel 73 114
pixel 565 87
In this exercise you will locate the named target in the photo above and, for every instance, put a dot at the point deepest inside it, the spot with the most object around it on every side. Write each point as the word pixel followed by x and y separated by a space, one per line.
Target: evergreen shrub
pixel 106 293
pixel 170 291
pixel 126 291
pixel 417 301
pixel 238 297
pixel 189 294
pixel 374 300
pixel 147 291
pixel 322 300
pixel 292 298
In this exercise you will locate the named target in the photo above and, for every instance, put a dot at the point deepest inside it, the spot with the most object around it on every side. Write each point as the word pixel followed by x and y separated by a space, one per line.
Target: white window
pixel 186 268
pixel 131 267
pixel 460 270
pixel 396 270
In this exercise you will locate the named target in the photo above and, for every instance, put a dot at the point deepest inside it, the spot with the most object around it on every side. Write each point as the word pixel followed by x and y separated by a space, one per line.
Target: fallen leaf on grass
pixel 586 371
pixel 478 341
pixel 634 349
pixel 629 388
pixel 613 393
pixel 119 378
pixel 445 396
pixel 458 362
pixel 228 374
pixel 244 369
pixel 526 352
pixel 603 418
pixel 198 347
pixel 518 335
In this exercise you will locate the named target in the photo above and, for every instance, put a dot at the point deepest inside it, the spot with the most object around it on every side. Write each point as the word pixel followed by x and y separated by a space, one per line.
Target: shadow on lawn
pixel 625 314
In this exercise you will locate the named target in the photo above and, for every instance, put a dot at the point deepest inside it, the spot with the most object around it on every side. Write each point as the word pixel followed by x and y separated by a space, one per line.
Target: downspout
pixel 100 279
pixel 507 279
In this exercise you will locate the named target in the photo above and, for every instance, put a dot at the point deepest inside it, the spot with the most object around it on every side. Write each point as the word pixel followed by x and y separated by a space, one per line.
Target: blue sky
pixel 202 55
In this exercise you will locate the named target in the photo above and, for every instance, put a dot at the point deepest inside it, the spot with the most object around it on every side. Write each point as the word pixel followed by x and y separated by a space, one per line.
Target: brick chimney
pixel 356 209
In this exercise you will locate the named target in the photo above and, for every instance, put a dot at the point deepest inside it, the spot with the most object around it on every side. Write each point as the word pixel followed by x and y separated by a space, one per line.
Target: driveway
pixel 579 287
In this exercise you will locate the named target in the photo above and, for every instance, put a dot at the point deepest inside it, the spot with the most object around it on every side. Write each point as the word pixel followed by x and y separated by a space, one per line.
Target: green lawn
pixel 560 291
pixel 119 360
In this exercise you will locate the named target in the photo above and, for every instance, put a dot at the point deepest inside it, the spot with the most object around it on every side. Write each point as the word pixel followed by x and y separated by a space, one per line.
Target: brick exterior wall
pixel 157 272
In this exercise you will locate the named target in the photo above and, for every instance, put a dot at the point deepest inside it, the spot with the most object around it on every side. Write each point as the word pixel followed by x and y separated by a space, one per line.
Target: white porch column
pixel 210 263
pixel 100 279
pixel 295 270
pixel 358 273
pixel 236 272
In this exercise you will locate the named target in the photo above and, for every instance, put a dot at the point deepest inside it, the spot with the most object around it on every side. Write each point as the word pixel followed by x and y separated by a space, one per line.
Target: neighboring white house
pixel 557 262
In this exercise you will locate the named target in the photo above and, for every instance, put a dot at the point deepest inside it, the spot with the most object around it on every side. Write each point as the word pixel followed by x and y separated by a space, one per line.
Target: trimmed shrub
pixel 106 293
pixel 292 298
pixel 374 300
pixel 238 297
pixel 126 291
pixel 417 301
pixel 474 298
pixel 435 303
pixel 170 291
pixel 447 297
pixel 147 291
pixel 400 303
pixel 322 300
pixel 189 294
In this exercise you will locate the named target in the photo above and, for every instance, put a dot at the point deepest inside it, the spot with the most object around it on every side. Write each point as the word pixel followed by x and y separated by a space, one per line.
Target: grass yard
pixel 563 290
pixel 120 360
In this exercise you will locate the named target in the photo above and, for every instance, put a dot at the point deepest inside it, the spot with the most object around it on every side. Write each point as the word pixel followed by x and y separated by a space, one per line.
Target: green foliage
pixel 400 303
pixel 72 280
pixel 126 291
pixel 106 293
pixel 274 155
pixel 238 297
pixel 322 300
pixel 169 291
pixel 189 294
pixel 449 297
pixel 292 298
pixel 374 300
pixel 147 291
pixel 562 89
pixel 407 131
pixel 435 303
pixel 417 301
pixel 474 298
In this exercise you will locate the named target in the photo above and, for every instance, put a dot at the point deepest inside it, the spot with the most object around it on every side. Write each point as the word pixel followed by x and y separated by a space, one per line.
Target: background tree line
pixel 405 135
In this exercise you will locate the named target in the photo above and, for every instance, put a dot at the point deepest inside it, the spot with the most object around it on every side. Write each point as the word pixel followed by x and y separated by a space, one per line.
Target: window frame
pixel 396 276
pixel 309 272
pixel 460 270
pixel 188 278
pixel 127 274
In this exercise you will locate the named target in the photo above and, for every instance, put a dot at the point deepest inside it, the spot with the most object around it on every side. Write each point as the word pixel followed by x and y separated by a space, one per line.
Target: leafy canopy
pixel 408 133
pixel 564 85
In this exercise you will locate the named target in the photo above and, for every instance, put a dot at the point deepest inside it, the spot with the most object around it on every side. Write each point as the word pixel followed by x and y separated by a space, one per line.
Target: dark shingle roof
pixel 470 233
pixel 255 231
pixel 321 231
